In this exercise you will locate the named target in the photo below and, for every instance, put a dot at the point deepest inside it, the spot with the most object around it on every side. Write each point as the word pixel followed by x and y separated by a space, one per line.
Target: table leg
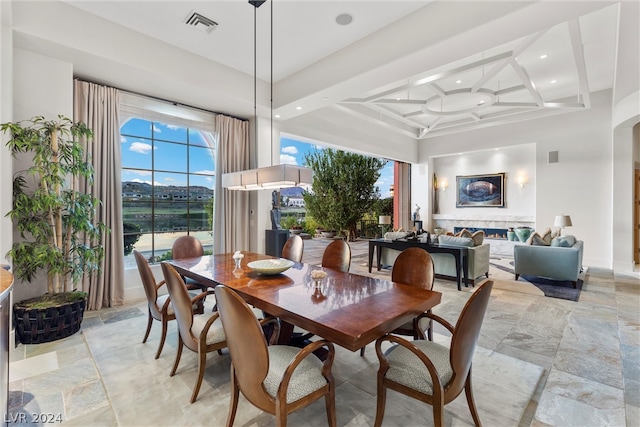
pixel 371 248
pixel 379 257
pixel 465 267
pixel 458 270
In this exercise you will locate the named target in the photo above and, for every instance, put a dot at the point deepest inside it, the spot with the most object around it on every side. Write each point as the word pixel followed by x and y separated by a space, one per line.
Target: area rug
pixel 562 289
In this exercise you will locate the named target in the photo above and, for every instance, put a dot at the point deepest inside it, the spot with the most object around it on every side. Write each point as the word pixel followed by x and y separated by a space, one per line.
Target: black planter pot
pixel 40 325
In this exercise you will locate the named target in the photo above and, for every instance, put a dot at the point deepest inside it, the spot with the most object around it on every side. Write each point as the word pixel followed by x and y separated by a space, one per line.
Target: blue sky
pixel 172 158
pixel 136 153
pixel 292 152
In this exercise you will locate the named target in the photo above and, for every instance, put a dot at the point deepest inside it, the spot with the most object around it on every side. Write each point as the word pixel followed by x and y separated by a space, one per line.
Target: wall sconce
pixel 522 180
pixel 444 184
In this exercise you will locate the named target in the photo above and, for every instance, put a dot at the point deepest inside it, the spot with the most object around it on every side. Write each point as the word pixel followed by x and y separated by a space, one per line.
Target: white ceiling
pixel 417 68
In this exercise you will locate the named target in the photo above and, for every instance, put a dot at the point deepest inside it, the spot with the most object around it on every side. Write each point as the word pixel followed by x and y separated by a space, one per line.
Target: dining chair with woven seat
pixel 337 256
pixel 414 266
pixel 277 379
pixel 201 334
pixel 430 372
pixel 159 306
pixel 293 248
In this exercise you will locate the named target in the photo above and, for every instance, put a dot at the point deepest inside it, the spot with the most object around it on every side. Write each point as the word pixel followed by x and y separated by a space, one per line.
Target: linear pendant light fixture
pixel 270 177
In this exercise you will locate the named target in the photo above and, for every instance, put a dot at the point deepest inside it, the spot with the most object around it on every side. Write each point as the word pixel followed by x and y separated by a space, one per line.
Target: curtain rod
pixel 157 98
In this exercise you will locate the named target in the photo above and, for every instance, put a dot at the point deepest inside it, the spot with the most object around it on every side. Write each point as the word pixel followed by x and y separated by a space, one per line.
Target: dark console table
pixel 460 253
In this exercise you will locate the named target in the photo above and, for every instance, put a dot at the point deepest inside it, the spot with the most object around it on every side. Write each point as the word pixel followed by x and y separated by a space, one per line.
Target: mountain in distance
pixel 291 192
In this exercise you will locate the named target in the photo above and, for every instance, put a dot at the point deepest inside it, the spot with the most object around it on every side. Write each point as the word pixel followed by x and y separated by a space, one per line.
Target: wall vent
pixel 200 22
pixel 553 157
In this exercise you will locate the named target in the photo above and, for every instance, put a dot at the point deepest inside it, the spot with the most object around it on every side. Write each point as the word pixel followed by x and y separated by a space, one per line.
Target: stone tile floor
pixel 540 361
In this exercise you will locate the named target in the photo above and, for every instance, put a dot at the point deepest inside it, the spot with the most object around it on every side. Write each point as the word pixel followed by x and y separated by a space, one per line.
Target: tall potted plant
pixel 56 221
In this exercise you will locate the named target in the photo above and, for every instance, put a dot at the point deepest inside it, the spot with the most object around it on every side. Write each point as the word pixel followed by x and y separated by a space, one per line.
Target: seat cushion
pixel 162 298
pixel 215 334
pixel 405 368
pixel 306 379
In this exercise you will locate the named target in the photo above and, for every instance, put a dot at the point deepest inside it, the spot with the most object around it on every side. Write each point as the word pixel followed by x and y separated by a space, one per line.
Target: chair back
pixel 182 305
pixel 337 256
pixel 414 266
pixel 247 346
pixel 293 248
pixel 186 247
pixel 466 332
pixel 148 283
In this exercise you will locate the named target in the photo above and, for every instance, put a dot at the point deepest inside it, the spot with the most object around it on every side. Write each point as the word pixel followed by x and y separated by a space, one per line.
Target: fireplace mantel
pixel 448 221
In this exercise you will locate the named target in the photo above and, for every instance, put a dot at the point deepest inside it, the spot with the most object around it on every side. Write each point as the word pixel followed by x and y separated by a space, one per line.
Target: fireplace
pixel 489 233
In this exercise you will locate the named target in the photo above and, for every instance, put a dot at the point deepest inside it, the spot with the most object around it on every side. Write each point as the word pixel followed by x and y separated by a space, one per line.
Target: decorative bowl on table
pixel 270 266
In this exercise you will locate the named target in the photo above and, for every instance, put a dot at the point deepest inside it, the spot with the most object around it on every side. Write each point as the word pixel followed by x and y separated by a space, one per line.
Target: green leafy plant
pixel 56 220
pixel 343 188
pixel 131 236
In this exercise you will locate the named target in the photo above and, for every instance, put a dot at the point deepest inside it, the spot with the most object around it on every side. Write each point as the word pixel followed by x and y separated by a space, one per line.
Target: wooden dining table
pixel 347 309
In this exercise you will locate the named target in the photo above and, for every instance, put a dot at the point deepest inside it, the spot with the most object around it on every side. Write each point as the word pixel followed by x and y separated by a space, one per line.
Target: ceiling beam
pixel 581 67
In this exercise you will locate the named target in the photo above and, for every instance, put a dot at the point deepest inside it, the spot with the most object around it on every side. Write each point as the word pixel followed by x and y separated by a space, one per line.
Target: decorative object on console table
pixel 562 221
pixel 480 191
pixel 523 233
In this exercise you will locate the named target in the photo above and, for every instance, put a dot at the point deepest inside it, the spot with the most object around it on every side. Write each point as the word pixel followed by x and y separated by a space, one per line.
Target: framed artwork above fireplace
pixel 480 191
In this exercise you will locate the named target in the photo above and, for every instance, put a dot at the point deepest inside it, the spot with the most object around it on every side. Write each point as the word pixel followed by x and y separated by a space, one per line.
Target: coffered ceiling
pixel 415 68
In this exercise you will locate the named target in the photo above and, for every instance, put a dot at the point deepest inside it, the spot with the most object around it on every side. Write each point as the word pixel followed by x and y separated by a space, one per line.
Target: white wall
pixel 516 162
pixel 6 115
pixel 42 86
pixel 580 184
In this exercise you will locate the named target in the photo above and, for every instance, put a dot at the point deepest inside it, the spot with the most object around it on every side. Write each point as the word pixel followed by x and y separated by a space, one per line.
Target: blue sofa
pixel 561 260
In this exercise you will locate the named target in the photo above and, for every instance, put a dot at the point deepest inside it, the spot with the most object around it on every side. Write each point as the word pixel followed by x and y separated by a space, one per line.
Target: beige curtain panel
pixel 231 211
pixel 97 107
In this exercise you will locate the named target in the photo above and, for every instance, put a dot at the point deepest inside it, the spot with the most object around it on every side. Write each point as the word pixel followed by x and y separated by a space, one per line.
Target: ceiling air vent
pixel 200 22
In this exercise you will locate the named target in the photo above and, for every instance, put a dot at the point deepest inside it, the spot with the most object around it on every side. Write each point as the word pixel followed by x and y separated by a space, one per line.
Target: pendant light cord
pixel 255 80
pixel 271 83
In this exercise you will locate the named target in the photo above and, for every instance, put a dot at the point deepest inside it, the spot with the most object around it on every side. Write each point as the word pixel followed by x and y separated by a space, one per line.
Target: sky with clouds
pixel 138 153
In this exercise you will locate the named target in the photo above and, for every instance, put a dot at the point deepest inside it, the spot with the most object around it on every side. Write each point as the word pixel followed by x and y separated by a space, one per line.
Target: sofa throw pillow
pixel 464 233
pixel 547 236
pixel 537 240
pixel 478 237
pixel 562 242
pixel 456 241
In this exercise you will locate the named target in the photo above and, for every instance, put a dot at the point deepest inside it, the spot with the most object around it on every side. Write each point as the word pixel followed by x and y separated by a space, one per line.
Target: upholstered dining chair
pixel 414 267
pixel 430 372
pixel 337 256
pixel 201 334
pixel 278 379
pixel 188 247
pixel 159 307
pixel 293 248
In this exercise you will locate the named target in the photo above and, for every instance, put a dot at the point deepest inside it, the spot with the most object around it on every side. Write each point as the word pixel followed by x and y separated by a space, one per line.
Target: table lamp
pixel 383 220
pixel 562 221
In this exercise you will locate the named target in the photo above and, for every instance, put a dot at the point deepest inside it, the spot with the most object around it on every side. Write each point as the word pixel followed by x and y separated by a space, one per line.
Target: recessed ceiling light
pixel 458 81
pixel 324 98
pixel 543 56
pixel 344 19
pixel 554 82
pixel 298 108
pixel 277 116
